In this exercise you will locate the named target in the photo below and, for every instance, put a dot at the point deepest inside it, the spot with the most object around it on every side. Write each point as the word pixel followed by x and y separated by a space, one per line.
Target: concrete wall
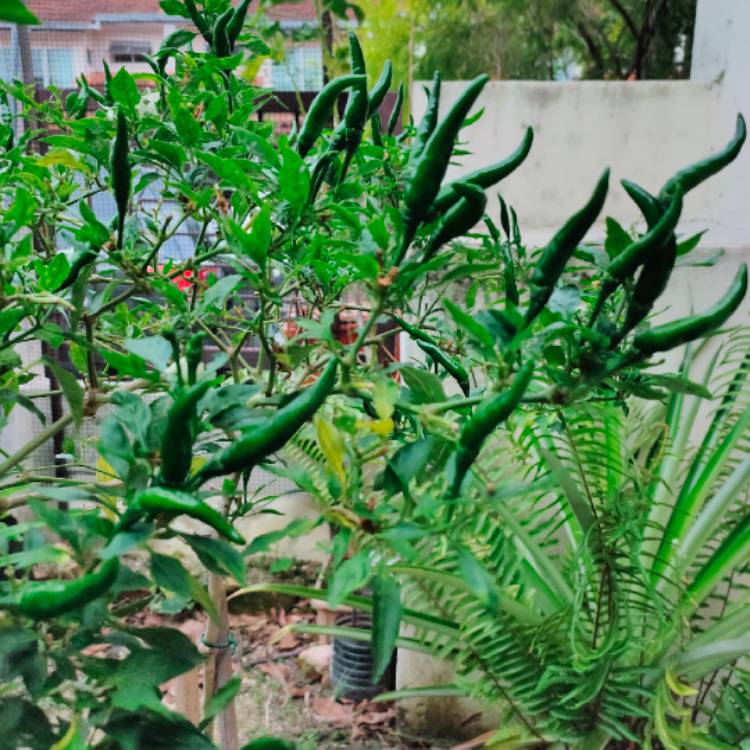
pixel 643 131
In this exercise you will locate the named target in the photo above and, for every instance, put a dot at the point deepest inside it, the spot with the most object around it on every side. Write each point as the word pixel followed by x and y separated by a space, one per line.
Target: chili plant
pixel 178 268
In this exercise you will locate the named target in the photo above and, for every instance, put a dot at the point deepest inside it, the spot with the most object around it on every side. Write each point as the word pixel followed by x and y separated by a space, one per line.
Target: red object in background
pixel 184 282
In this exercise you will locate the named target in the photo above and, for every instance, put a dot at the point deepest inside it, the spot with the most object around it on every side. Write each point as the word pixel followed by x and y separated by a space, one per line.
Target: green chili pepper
pixel 177 441
pixel 321 109
pixel 194 355
pixel 504 220
pixel 80 260
pixel 559 251
pixel 259 442
pixel 107 83
pixel 349 133
pixel 428 122
pixel 488 415
pixel 199 21
pixel 665 337
pixel 486 177
pixel 649 205
pixel 449 364
pixel 237 21
pixel 157 501
pixel 509 272
pixel 121 173
pixel 424 177
pixel 393 120
pixel 459 219
pixel 430 347
pixel 651 284
pixel 694 175
pixel 50 599
pixel 380 89
pixel 222 43
pixel 625 264
pixel 656 271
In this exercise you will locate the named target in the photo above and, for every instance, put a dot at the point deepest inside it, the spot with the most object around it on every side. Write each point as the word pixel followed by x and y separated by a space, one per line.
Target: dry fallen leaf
pixel 329 710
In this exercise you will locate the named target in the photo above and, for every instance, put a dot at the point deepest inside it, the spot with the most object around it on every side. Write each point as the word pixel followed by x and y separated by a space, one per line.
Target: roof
pixel 112 11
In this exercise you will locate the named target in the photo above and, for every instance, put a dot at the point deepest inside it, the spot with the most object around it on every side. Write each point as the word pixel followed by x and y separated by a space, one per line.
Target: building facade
pixel 75 36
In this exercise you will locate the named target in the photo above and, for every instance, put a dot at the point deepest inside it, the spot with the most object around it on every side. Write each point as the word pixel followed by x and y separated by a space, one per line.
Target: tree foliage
pixel 534 39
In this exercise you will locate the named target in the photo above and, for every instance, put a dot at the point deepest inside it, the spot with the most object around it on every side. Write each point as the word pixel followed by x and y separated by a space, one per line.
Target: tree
pixel 534 39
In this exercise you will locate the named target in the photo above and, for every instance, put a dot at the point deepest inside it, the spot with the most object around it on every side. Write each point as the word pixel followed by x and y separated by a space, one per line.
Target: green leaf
pixel 294 179
pixel 154 349
pixel 15 11
pixel 426 387
pixel 410 459
pixel 477 579
pixel 351 575
pixel 114 446
pixel 124 89
pixel 217 295
pixel 269 743
pixel 386 621
pixel 52 274
pixel 220 700
pixel 71 388
pixel 617 238
pixel 218 556
pixel 688 245
pixel 174 8
pixel 169 574
pixel 475 330
pixel 178 39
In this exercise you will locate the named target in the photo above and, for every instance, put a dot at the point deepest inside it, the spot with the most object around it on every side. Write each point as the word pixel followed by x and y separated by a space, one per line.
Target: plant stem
pixel 218 668
pixel 32 445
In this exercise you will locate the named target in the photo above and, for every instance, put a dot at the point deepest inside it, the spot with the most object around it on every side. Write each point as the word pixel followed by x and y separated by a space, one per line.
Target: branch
pixel 629 22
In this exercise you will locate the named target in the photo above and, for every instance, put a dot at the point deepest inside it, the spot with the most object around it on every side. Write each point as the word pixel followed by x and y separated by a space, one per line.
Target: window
pixel 129 52
pixel 301 70
pixel 52 66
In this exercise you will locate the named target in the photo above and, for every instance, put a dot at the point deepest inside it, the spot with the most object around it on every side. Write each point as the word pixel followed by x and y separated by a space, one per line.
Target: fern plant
pixel 590 580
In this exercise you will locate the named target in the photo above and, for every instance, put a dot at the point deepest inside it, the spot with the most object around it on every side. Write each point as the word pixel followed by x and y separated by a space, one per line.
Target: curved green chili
pixel 668 336
pixel 80 260
pixel 194 355
pixel 237 21
pixel 452 366
pixel 222 43
pixel 393 120
pixel 692 176
pixel 486 177
pixel 560 249
pixel 649 205
pixel 428 122
pixel 490 413
pixel 625 264
pixel 430 347
pixel 321 110
pixel 50 599
pixel 380 89
pixel 199 20
pixel 651 284
pixel 157 501
pixel 177 441
pixel 121 174
pixel 424 177
pixel 349 133
pixel 259 442
pixel 459 219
